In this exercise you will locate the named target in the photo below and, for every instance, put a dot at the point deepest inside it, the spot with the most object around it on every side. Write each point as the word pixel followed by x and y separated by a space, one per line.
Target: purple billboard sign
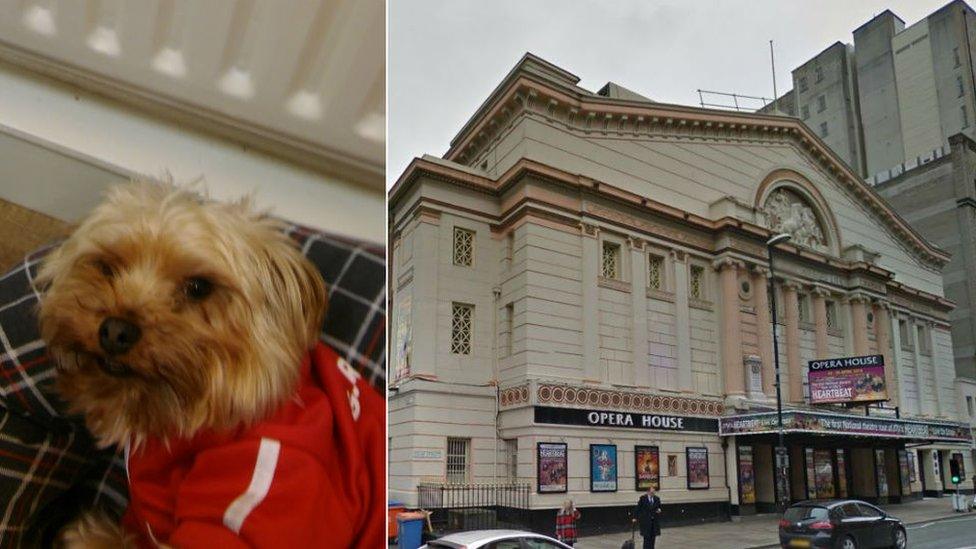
pixel 851 379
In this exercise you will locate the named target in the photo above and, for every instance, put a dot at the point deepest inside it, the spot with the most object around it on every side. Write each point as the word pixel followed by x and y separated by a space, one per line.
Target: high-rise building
pixel 887 102
pixel 825 92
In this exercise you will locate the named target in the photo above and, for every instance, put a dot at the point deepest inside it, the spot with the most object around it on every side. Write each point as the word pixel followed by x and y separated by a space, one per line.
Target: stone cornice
pixel 558 102
pixel 643 209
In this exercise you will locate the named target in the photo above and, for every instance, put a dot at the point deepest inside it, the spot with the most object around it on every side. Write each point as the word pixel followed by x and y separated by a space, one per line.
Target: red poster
pixel 851 379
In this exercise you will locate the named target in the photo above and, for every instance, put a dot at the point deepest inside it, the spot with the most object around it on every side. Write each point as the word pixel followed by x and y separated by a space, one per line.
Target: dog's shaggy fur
pixel 225 306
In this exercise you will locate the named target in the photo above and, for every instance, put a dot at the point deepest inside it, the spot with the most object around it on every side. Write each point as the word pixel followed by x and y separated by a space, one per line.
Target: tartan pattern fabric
pixel 49 464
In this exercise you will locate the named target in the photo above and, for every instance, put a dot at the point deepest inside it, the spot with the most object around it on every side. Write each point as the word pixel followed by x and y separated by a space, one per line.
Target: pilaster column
pixel 424 343
pixel 920 373
pixel 859 323
pixel 899 362
pixel 682 319
pixel 791 307
pixel 764 329
pixel 731 330
pixel 882 332
pixel 592 371
pixel 640 375
pixel 819 296
pixel 937 382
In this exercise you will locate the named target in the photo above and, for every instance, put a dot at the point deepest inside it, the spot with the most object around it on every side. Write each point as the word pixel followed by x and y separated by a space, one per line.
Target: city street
pixel 954 533
pixel 931 524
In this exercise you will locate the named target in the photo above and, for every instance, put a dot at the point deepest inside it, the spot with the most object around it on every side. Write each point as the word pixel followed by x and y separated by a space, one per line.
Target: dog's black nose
pixel 117 335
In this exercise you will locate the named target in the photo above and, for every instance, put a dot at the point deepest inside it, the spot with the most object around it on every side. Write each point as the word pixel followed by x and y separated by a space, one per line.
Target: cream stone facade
pixel 576 254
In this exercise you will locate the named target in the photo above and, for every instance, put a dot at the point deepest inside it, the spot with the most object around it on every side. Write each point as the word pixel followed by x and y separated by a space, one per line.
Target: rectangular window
pixel 463 247
pixel 805 111
pixel 969 405
pixel 960 89
pixel 801 308
pixel 905 335
pixel 610 267
pixel 655 272
pixel 964 116
pixel 821 103
pixel 511 454
pixel 510 246
pixel 458 460
pixel 510 324
pixel 803 83
pixel 819 74
pixel 923 341
pixel 823 129
pixel 831 314
pixel 461 318
pixel 697 285
pixel 955 57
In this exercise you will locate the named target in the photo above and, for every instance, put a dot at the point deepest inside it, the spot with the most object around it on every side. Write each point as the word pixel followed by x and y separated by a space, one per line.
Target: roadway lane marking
pixel 954 519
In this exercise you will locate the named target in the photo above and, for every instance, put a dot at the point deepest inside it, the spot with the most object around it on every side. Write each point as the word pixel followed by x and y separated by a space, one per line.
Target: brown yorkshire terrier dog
pixel 170 315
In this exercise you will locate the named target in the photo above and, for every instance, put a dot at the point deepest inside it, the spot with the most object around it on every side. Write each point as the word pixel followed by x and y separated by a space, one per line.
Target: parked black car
pixel 840 524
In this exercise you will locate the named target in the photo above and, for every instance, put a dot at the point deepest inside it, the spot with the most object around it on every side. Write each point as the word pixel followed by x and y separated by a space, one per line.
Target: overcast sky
pixel 446 56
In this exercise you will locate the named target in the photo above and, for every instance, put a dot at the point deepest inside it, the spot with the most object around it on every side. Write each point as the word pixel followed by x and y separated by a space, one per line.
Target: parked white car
pixel 495 539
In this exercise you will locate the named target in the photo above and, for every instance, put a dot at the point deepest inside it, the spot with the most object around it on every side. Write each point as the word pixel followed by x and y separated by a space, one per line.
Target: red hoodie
pixel 311 475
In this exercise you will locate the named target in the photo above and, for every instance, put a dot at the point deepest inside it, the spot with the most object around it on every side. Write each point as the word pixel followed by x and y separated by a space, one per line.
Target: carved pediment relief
pixel 786 211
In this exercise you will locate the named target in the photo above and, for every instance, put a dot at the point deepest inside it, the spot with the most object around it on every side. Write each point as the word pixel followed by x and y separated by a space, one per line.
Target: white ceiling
pixel 305 78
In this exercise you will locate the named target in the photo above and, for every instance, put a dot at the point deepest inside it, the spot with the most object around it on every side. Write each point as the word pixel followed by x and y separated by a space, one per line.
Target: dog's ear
pixel 297 287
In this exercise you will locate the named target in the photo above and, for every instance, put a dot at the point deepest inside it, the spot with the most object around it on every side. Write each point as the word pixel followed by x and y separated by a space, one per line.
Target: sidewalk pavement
pixel 757 530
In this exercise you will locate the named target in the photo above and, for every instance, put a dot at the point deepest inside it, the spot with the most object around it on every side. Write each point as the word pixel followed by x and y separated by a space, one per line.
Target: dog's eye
pixel 105 268
pixel 197 288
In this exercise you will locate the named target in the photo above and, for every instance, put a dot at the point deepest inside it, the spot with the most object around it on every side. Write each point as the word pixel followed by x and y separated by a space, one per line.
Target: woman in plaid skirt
pixel 566 523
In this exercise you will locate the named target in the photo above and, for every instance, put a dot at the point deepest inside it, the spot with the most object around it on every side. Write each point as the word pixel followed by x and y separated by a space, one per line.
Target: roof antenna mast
pixel 772 64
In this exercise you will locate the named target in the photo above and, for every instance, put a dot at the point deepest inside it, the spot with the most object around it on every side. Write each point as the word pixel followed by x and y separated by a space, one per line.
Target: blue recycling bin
pixel 410 530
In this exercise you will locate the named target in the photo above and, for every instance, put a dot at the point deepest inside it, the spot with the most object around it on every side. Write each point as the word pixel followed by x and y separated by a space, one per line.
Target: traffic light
pixel 955 474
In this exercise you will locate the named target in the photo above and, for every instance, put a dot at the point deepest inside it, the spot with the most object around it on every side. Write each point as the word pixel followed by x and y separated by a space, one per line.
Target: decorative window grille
pixel 697 289
pixel 461 328
pixel 611 260
pixel 831 314
pixel 458 460
pixel 655 272
pixel 463 247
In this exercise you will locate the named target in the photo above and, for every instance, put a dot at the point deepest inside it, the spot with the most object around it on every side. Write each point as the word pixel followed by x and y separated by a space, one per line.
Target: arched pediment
pixel 787 202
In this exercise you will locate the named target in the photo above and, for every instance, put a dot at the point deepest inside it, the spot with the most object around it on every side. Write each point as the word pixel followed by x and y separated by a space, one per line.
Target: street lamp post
pixel 781 457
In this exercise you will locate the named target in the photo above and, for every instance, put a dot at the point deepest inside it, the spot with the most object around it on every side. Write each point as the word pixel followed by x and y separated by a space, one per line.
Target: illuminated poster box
pixel 855 379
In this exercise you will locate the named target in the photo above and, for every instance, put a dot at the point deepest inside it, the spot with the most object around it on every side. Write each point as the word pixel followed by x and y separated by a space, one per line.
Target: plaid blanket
pixel 49 465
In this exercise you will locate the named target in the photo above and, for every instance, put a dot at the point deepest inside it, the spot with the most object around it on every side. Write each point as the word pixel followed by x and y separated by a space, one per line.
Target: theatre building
pixel 581 306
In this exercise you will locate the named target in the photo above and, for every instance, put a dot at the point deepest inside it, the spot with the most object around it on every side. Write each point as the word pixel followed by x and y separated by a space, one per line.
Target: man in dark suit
pixel 648 509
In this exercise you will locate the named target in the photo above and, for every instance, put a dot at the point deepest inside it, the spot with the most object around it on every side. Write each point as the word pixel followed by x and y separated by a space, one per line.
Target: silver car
pixel 495 539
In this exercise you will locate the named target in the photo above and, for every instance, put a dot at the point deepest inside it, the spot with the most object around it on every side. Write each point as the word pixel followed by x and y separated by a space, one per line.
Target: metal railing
pixel 459 507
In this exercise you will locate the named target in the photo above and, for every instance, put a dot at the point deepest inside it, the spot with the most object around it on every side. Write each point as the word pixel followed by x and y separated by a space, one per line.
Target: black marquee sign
pixel 625 420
